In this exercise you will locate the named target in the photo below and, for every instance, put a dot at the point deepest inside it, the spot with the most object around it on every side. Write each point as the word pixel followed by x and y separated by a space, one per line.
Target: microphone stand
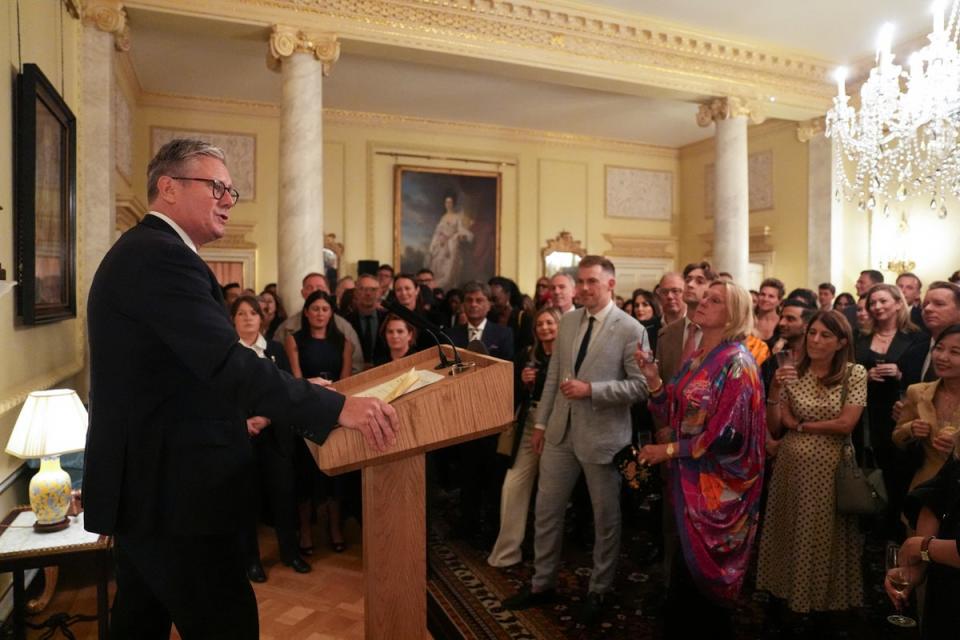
pixel 405 314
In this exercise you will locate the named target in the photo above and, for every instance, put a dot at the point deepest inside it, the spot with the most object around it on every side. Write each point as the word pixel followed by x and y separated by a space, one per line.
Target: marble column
pixel 104 30
pixel 303 59
pixel 824 211
pixel 731 223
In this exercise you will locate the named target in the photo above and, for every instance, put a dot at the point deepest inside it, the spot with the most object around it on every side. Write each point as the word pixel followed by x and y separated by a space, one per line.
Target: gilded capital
pixel 809 129
pixel 731 107
pixel 286 41
pixel 108 16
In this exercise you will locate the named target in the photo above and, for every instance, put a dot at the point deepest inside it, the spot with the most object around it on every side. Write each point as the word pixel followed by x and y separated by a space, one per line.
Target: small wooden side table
pixel 23 548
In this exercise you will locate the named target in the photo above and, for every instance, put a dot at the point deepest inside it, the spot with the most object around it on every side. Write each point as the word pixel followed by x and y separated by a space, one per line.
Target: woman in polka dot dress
pixel 809 554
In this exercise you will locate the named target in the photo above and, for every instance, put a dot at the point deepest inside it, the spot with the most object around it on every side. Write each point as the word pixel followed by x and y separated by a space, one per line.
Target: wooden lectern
pixel 461 407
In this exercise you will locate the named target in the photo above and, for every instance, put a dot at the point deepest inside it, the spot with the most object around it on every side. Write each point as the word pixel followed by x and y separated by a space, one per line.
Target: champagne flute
pixel 786 362
pixel 899 580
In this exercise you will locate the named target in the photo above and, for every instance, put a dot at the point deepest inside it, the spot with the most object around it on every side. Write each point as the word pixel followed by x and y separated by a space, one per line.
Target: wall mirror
pixel 562 253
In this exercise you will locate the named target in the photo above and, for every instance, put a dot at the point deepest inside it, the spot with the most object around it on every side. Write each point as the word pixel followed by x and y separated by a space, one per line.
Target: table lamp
pixel 51 423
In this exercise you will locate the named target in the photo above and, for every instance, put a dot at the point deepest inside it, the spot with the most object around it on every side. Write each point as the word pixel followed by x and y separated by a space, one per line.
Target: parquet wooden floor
pixel 325 604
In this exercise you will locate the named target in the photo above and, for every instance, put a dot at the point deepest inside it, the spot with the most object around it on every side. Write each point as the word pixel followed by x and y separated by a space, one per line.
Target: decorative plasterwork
pixel 726 108
pixel 286 41
pixel 760 238
pixel 583 40
pixel 130 212
pixel 235 237
pixel 108 16
pixel 640 246
pixel 808 129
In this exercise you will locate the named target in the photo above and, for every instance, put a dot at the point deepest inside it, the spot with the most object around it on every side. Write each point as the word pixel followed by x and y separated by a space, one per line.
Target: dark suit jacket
pixel 278 435
pixel 167 448
pixel 380 348
pixel 497 338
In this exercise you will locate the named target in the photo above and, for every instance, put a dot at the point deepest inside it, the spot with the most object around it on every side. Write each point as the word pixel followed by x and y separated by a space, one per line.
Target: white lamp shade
pixel 52 422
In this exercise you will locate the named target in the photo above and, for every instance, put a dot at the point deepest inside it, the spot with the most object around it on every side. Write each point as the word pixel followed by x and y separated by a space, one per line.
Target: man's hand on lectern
pixel 375 419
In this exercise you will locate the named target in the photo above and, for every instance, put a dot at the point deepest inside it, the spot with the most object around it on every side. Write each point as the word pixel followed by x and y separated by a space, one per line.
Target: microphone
pixel 405 314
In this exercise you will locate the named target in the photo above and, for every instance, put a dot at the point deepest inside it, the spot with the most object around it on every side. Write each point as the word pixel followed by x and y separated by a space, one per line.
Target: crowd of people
pixel 743 400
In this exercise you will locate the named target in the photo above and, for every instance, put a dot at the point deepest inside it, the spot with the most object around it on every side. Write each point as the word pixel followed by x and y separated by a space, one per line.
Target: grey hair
pixel 474 287
pixel 172 156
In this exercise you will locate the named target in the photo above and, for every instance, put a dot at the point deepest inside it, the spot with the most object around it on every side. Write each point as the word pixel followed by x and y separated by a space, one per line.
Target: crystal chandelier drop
pixel 904 140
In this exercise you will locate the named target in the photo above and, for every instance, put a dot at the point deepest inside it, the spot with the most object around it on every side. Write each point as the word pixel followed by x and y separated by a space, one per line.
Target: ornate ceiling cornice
pixel 554 36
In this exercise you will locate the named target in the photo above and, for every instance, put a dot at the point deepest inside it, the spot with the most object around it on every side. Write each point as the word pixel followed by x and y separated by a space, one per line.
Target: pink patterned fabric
pixel 715 406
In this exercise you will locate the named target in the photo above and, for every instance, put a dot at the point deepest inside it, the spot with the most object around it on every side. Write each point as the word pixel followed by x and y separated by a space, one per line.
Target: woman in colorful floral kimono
pixel 715 408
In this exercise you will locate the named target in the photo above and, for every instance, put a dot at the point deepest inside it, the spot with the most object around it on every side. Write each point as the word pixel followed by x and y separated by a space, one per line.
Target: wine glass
pixel 899 580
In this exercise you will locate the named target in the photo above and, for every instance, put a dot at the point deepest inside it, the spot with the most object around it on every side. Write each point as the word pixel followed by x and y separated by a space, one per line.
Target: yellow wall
pixel 546 188
pixel 41 356
pixel 788 217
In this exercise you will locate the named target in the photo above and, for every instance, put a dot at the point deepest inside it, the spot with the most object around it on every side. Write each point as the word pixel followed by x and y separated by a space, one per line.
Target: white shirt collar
pixel 180 232
pixel 602 314
pixel 479 328
pixel 259 346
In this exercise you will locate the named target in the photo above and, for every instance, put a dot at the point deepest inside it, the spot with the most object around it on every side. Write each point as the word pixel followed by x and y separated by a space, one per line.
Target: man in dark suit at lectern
pixel 168 454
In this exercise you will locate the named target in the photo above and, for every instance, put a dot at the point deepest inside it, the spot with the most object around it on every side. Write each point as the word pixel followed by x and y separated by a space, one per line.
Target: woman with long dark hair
pixel 646 309
pixel 320 353
pixel 810 554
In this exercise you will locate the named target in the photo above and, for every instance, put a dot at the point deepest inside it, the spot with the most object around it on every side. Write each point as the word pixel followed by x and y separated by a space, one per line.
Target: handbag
pixel 860 491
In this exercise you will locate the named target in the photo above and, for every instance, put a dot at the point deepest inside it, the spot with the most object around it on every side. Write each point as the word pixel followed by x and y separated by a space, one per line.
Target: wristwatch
pixel 925 549
pixel 800 427
pixel 670 449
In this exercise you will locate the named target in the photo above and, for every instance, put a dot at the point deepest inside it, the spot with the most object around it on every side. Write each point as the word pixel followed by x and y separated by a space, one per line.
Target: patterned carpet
pixel 470 592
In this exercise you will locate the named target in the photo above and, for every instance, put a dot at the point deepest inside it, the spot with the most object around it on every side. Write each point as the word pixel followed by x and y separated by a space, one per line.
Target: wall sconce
pixel 6 286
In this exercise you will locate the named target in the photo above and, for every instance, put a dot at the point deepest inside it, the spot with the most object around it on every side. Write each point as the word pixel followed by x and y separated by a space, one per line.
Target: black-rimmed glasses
pixel 217 187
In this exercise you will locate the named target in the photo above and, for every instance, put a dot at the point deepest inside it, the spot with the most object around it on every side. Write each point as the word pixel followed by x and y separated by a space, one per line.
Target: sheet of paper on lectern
pixel 405 383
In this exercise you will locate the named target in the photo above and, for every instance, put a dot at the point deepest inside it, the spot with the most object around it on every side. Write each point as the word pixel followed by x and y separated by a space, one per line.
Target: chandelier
pixel 905 138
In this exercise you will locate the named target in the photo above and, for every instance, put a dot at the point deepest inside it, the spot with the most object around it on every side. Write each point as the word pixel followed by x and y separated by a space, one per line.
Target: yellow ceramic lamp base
pixel 50 495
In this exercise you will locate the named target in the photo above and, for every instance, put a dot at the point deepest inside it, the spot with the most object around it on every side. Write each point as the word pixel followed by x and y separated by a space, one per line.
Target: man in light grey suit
pixel 583 420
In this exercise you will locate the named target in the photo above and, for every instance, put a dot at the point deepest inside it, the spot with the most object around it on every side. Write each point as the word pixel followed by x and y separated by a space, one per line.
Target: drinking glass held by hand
pixel 898 577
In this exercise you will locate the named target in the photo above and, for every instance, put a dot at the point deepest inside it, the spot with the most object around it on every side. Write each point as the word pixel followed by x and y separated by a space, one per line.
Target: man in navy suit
pixel 497 338
pixel 476 467
pixel 168 455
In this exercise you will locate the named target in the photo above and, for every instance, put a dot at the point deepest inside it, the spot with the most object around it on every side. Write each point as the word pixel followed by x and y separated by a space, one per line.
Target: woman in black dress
pixel 888 348
pixel 273 446
pixel 320 353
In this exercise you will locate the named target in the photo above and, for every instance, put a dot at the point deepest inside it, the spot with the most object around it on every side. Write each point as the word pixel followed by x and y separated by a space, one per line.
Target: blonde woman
pixel 714 406
pixel 892 350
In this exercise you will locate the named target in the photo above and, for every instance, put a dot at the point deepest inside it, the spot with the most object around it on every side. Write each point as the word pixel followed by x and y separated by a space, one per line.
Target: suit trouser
pixel 197 583
pixel 559 471
pixel 515 501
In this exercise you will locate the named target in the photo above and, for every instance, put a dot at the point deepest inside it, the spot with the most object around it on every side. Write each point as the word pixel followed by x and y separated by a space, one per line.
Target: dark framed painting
pixel 448 221
pixel 46 200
